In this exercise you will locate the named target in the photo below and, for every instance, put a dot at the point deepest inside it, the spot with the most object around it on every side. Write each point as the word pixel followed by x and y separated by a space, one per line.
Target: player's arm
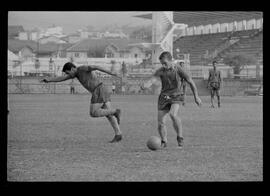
pixel 57 79
pixel 192 85
pixel 183 85
pixel 220 79
pixel 208 82
pixel 93 68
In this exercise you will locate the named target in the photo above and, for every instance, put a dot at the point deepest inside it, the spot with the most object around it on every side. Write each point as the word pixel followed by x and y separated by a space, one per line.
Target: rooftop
pixel 15 45
pixel 101 44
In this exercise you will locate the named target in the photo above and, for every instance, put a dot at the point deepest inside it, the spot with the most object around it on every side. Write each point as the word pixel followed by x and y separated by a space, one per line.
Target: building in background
pixel 72 38
pixel 23 36
pixel 14 30
pixel 51 39
pixel 24 49
pixel 30 49
pixel 106 48
pixel 56 31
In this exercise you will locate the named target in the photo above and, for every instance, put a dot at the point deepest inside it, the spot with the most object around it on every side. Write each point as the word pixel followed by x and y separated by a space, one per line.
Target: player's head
pixel 165 58
pixel 214 63
pixel 68 68
pixel 181 63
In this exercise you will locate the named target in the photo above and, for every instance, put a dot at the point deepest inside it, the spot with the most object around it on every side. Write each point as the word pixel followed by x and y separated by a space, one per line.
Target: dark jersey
pixel 170 79
pixel 86 77
pixel 214 76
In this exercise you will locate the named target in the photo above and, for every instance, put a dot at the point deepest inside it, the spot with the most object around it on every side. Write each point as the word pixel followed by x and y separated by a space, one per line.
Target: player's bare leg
pixel 184 100
pixel 162 127
pixel 112 119
pixel 104 110
pixel 96 110
pixel 177 124
pixel 184 95
pixel 212 98
pixel 218 97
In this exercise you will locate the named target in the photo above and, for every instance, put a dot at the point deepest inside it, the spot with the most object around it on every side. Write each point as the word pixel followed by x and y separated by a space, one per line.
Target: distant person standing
pixel 123 84
pixel 72 87
pixel 113 88
pixel 123 89
pixel 124 69
pixel 141 90
pixel 214 83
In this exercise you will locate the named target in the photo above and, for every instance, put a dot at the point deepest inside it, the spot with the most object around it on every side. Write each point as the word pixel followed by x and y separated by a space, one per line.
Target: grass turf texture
pixel 53 138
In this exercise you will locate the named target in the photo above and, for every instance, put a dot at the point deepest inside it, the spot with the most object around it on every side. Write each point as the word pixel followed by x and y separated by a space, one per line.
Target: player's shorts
pixel 165 101
pixel 100 94
pixel 215 86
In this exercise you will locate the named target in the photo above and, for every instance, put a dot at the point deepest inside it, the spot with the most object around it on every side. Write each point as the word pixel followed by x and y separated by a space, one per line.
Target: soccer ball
pixel 154 143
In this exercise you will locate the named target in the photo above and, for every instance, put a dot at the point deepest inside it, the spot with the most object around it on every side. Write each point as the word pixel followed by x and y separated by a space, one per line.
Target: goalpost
pixel 163 27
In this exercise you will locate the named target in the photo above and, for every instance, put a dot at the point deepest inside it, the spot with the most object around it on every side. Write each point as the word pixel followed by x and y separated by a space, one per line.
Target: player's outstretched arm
pixel 56 79
pixel 105 71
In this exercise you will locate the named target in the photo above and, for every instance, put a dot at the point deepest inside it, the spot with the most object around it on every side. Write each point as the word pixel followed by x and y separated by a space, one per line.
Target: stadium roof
pixel 196 18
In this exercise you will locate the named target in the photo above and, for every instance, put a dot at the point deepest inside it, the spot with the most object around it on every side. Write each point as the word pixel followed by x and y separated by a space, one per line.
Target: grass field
pixel 53 138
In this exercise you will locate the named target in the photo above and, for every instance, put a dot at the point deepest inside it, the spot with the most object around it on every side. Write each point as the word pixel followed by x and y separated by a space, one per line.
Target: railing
pixel 31 85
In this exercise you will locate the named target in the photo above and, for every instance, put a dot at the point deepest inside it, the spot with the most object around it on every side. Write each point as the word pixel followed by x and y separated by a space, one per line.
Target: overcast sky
pixel 71 21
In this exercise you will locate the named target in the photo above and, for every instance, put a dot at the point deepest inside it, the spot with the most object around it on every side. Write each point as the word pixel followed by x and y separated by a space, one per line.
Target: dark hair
pixel 68 66
pixel 165 54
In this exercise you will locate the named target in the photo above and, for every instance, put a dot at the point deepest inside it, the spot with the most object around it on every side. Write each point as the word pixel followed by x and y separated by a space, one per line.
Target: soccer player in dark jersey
pixel 170 97
pixel 214 83
pixel 100 105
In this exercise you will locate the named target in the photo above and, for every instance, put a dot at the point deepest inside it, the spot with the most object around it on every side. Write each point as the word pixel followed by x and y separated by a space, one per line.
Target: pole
pixel 20 74
pixel 54 76
pixel 37 54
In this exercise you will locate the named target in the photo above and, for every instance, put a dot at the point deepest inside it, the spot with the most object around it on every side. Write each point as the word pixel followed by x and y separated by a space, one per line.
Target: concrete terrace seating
pixel 197 45
pixel 250 46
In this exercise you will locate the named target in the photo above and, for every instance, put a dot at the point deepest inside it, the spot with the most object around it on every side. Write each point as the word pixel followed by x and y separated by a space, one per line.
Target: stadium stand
pixel 250 42
pixel 250 45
